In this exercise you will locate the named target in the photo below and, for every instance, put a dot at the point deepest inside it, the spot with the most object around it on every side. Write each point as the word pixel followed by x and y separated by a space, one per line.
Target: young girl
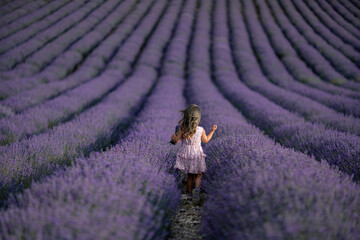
pixel 190 158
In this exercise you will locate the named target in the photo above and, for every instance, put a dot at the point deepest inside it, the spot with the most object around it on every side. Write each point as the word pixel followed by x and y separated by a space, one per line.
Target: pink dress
pixel 190 157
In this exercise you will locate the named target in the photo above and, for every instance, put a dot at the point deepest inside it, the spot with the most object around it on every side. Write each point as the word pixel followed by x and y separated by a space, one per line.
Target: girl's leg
pixel 198 180
pixel 190 182
pixel 196 191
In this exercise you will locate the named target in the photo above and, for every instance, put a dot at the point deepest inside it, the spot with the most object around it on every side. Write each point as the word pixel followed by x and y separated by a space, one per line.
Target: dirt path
pixel 187 219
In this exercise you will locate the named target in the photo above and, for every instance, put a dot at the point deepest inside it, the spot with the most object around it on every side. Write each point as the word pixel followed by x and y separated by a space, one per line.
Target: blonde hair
pixel 191 119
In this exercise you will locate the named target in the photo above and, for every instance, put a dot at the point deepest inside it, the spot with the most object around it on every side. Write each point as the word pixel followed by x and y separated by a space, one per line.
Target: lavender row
pixel 29 159
pixel 63 107
pixel 32 18
pixel 336 58
pixel 49 53
pixel 21 52
pixel 325 33
pixel 289 129
pixel 19 12
pixel 355 3
pixel 78 39
pixel 343 11
pixel 9 6
pixel 22 35
pixel 52 65
pixel 239 155
pixel 93 65
pixel 339 19
pixel 176 54
pixel 291 60
pixel 329 22
pixel 91 130
pixel 70 59
pixel 310 55
pixel 113 195
pixel 123 193
pixel 351 7
pixel 275 193
pixel 139 161
pixel 286 127
pixel 272 66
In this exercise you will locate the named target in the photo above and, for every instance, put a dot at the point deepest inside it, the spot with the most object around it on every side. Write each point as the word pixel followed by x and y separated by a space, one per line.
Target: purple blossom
pixel 92 138
pixel 24 27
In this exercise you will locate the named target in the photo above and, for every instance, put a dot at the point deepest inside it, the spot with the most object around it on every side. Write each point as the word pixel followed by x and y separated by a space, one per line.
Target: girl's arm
pixel 207 138
pixel 176 138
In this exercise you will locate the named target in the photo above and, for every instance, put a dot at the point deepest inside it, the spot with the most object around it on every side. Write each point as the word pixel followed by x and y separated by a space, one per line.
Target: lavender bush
pixel 286 127
pixel 50 35
pixel 87 132
pixel 325 33
pixel 134 168
pixel 18 9
pixel 341 17
pixel 275 193
pixel 290 58
pixel 56 110
pixel 273 68
pixel 333 25
pixel 348 6
pixel 29 19
pixel 336 58
pixel 93 65
pixel 319 64
pixel 9 6
pixel 252 76
pixel 258 189
pixel 86 122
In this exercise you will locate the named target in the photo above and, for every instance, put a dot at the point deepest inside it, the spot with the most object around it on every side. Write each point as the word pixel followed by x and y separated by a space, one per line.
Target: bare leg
pixel 190 182
pixel 198 180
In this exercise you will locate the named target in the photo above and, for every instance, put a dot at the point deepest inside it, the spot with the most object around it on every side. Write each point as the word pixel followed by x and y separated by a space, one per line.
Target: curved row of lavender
pixel 69 63
pixel 309 109
pixel 258 189
pixel 33 17
pixel 290 59
pixel 352 27
pixel 338 148
pixel 277 73
pixel 306 51
pixel 93 129
pixel 352 6
pixel 330 23
pixel 335 57
pixel 66 104
pixel 347 10
pixel 17 61
pixel 18 37
pixel 83 95
pixel 98 58
pixel 124 192
pixel 8 6
pixel 325 33
pixel 17 10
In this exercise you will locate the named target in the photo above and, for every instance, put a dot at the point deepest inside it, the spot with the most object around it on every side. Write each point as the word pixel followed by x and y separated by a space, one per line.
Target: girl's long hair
pixel 191 119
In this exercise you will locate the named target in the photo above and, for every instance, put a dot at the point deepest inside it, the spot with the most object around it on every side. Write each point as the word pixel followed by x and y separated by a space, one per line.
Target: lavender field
pixel 90 93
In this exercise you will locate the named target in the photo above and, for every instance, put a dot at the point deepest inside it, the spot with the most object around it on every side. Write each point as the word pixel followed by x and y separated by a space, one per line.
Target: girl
pixel 190 158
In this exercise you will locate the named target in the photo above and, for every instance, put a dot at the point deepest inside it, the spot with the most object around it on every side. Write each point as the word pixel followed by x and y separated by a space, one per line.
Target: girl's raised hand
pixel 214 127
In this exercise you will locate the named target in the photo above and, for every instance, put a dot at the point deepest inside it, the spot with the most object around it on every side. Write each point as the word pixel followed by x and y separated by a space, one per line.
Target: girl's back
pixel 194 140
